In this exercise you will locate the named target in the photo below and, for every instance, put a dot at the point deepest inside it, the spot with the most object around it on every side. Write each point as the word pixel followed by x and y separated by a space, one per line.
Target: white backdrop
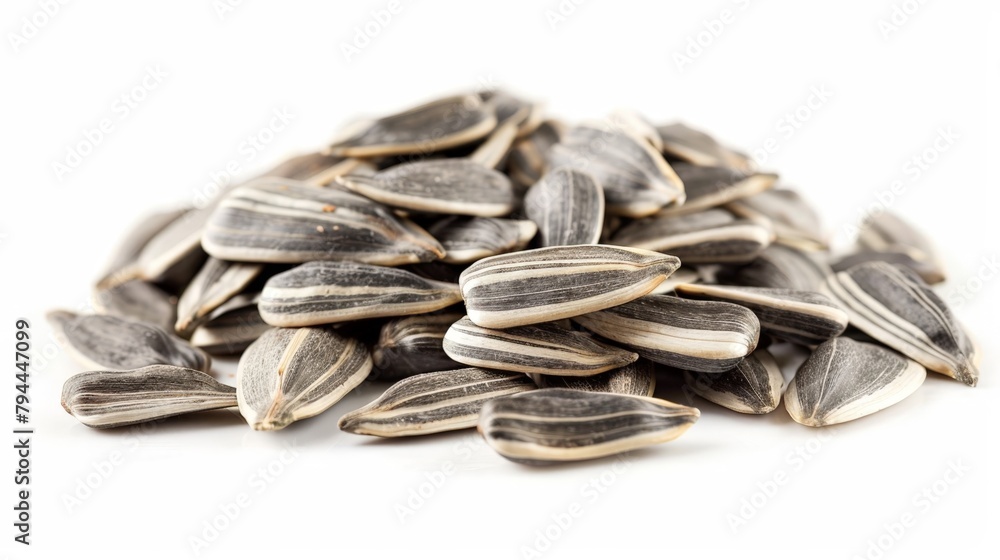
pixel 114 108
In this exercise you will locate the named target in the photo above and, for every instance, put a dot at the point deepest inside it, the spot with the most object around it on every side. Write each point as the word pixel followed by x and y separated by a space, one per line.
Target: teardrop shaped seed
pixel 796 316
pixel 893 305
pixel 215 283
pixel 467 240
pixel 108 399
pixel 106 342
pixel 710 186
pixel 888 238
pixel 123 264
pixel 553 283
pixel 555 425
pixel 527 159
pixel 708 336
pixel 138 300
pixel 795 223
pixel 637 379
pixel 779 266
pixel 541 348
pixel 429 403
pixel 174 255
pixel 694 146
pixel 290 222
pixel 292 374
pixel 232 327
pixel 321 292
pixel 752 387
pixel 844 380
pixel 709 237
pixel 440 124
pixel 412 345
pixel 568 206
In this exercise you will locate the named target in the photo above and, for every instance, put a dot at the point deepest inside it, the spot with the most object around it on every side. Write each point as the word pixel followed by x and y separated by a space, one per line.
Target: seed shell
pixel 232 327
pixel 568 206
pixel 795 223
pixel 215 283
pixel 138 300
pixel 412 345
pixel 710 186
pixel 637 378
pixel 694 146
pixel 778 266
pixel 754 386
pixel 466 240
pixel 709 237
pixel 123 265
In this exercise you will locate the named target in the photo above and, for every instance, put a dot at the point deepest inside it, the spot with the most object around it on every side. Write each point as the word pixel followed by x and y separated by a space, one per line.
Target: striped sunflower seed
pixel 710 186
pixel 292 374
pixel 796 316
pixel 568 206
pixel 467 240
pixel 527 158
pixel 709 237
pixel 437 125
pixel 888 238
pixel 321 292
pixel 707 336
pixel 541 348
pixel 138 300
pixel 844 380
pixel 693 146
pixel 412 345
pixel 107 342
pixel 288 222
pixel 553 283
pixel 231 327
pixel 123 265
pixel 108 399
pixel 778 266
pixel 896 307
pixel 441 186
pixel 429 403
pixel 174 255
pixel 215 283
pixel 557 425
pixel 683 275
pixel 637 378
pixel 493 151
pixel 638 126
pixel 754 386
pixel 527 116
pixel 795 223
pixel 301 168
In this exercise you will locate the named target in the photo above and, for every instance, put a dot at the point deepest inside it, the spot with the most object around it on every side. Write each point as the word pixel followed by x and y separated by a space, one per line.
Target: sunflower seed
pixel 413 345
pixel 709 237
pixel 553 283
pixel 493 151
pixel 541 348
pixel 636 379
pixel 779 266
pixel 752 387
pixel 555 425
pixel 321 292
pixel 568 206
pixel 429 403
pixel 440 124
pixel 638 126
pixel 443 186
pixel 107 399
pixel 174 255
pixel 796 316
pixel 107 342
pixel 844 380
pixel 794 221
pixel 140 301
pixel 709 186
pixel 123 265
pixel 888 238
pixel 893 305
pixel 289 222
pixel 511 109
pixel 291 374
pixel 696 147
pixel 231 327
pixel 215 283
pixel 302 167
pixel 683 275
pixel 467 240
pixel 526 162
pixel 349 166
pixel 708 336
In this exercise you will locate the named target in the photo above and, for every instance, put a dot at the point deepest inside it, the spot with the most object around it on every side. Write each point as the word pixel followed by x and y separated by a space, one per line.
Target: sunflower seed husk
pixel 302 167
pixel 794 221
pixel 443 186
pixel 232 327
pixel 215 283
pixel 844 380
pixel 174 255
pixel 512 109
pixel 553 283
pixel 467 240
pixel 779 266
pixel 752 387
pixel 708 336
pixel 493 151
pixel 433 126
pixel 526 162
pixel 568 206
pixel 887 238
pixel 556 425
pixel 412 345
pixel 709 186
pixel 108 399
pixel 429 403
pixel 349 166
pixel 638 126
pixel 896 307
pixel 541 348
pixel 321 292
pixel 290 222
pixel 140 301
pixel 637 378
pixel 708 237
pixel 108 342
pixel 796 316
pixel 123 265
pixel 694 146
pixel 682 275
pixel 291 374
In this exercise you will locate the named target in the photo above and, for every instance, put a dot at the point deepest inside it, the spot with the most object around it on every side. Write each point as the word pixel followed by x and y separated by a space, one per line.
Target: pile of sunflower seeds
pixel 510 272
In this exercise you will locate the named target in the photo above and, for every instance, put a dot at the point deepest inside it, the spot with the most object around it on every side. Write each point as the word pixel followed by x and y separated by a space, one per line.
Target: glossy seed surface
pixel 754 386
pixel 411 345
pixel 466 240
pixel 568 206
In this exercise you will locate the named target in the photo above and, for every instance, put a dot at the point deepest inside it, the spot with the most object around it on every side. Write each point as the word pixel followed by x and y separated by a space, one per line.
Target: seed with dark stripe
pixel 527 159
pixel 887 238
pixel 124 265
pixel 694 146
pixel 232 327
pixel 568 206
pixel 412 345
pixel 138 300
pixel 709 237
pixel 710 186
pixel 752 387
pixel 637 379
pixel 467 240
pixel 779 266
pixel 795 223
pixel 215 283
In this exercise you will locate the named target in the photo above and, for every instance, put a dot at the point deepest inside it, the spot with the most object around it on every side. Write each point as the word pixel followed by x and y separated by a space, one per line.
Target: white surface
pixel 338 496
